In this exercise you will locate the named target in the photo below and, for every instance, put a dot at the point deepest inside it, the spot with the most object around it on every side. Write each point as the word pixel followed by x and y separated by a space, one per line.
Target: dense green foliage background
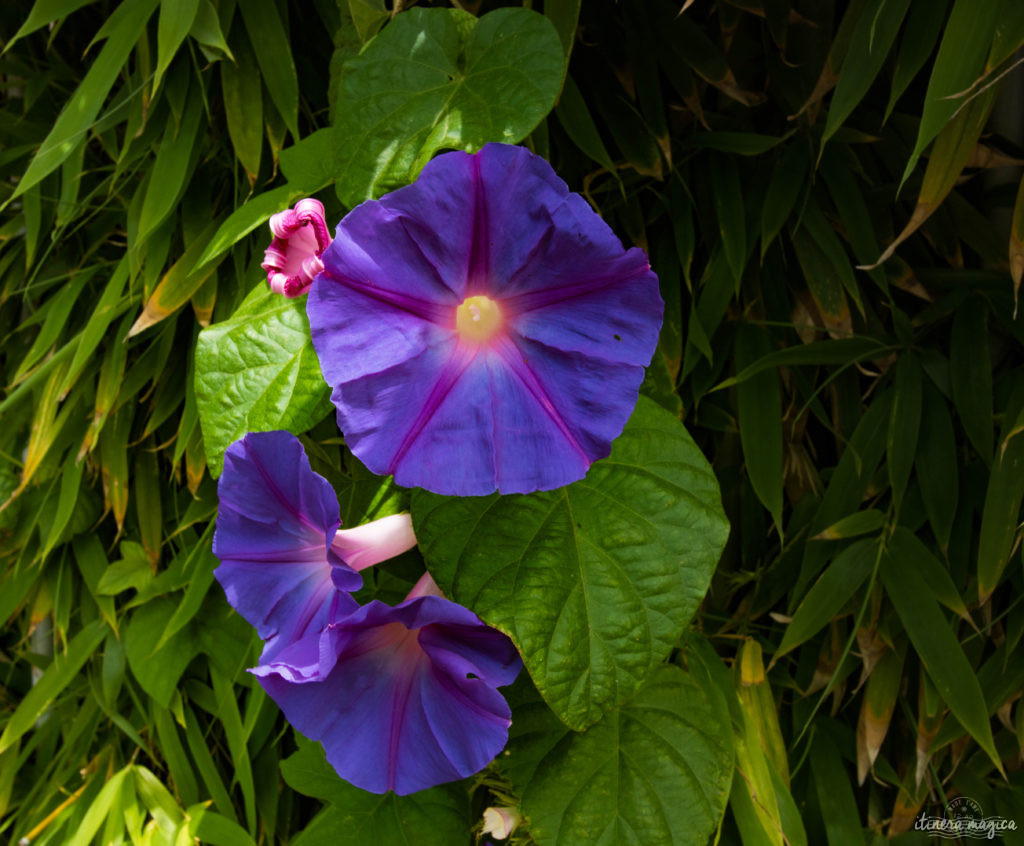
pixel 861 640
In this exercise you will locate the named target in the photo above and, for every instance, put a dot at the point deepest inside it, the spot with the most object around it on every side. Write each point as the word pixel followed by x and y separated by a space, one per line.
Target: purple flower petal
pixel 483 328
pixel 276 520
pixel 409 701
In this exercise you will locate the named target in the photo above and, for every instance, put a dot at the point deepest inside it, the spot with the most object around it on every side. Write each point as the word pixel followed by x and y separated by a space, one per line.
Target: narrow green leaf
pixel 904 425
pixel 961 57
pixel 835 794
pixel 829 594
pixel 108 308
pixel 243 107
pixel 1000 520
pixel 858 523
pixel 43 12
pixel 244 220
pixel 939 650
pixel 872 39
pixel 787 182
pixel 842 351
pixel 971 373
pixel 760 419
pixel 169 174
pixel 846 488
pixel 920 36
pixel 70 484
pixel 209 827
pixel 573 114
pixel 206 30
pixel 936 464
pixel 55 678
pixel 730 211
pixel 268 35
pixel 99 808
pixel 176 17
pixel 824 280
pixel 173 752
pixel 123 29
pixel 200 749
pixel 906 548
pixel 738 143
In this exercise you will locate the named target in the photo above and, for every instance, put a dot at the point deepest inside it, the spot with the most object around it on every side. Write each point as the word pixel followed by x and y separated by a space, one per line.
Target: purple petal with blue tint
pixel 406 698
pixel 525 406
pixel 274 527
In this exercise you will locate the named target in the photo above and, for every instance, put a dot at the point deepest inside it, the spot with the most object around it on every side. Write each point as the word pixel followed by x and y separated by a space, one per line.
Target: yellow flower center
pixel 477 319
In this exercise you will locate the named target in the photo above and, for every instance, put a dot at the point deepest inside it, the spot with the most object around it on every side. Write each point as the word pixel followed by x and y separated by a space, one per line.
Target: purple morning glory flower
pixel 483 328
pixel 401 698
pixel 285 566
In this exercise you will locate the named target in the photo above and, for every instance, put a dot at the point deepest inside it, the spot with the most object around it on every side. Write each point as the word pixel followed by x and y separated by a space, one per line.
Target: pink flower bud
pixel 293 257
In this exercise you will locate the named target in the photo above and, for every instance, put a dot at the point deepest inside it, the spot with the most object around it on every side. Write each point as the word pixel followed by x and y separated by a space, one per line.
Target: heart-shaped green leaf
pixel 353 817
pixel 596 581
pixel 256 372
pixel 657 772
pixel 437 79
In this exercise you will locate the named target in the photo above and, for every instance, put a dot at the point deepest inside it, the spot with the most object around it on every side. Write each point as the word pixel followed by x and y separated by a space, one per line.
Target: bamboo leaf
pixel 729 208
pixel 122 30
pixel 971 373
pixel 760 420
pixel 952 149
pixel 829 594
pixel 920 36
pixel 939 650
pixel 176 17
pixel 243 107
pixel 870 43
pixel 268 35
pixel 54 679
pixel 903 426
pixel 961 57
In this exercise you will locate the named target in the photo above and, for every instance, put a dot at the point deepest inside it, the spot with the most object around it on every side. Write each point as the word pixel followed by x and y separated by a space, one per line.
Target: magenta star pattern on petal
pixel 483 329
pixel 293 258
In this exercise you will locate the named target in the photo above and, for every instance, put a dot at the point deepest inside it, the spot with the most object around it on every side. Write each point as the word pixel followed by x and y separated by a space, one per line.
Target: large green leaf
pixel 353 817
pixel 256 372
pixel 596 581
pixel 438 79
pixel 655 773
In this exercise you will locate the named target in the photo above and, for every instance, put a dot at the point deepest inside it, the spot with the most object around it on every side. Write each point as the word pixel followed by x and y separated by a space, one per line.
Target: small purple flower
pixel 285 566
pixel 293 258
pixel 401 698
pixel 483 328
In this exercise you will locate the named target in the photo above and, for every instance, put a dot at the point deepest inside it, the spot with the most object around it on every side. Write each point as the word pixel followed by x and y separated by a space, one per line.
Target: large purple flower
pixel 285 566
pixel 483 328
pixel 401 698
